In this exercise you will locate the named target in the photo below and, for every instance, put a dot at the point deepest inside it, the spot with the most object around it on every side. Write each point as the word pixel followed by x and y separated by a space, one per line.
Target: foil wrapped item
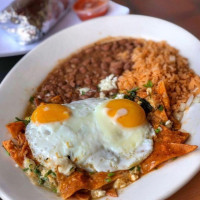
pixel 29 20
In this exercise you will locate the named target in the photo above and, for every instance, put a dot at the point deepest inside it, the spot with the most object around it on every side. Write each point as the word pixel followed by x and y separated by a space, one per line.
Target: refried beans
pixel 86 69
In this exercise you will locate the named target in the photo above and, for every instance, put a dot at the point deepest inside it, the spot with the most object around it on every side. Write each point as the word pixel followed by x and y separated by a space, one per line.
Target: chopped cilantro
pixel 174 158
pixel 114 96
pixel 37 172
pixel 132 168
pixel 162 123
pixel 82 93
pixel 149 84
pixel 48 173
pixel 160 107
pixel 31 100
pixel 145 105
pixel 157 130
pixel 25 169
pixel 91 173
pixel 131 94
pixel 54 190
pixel 26 122
pixel 111 174
pixel 108 180
pixel 7 153
pixel 138 168
pixel 53 173
pixel 41 181
pixel 71 168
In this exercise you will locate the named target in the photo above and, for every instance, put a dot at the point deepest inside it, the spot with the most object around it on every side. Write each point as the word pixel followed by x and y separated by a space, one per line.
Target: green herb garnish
pixel 138 168
pixel 108 180
pixel 48 173
pixel 157 130
pixel 25 169
pixel 132 168
pixel 53 173
pixel 82 93
pixel 160 107
pixel 113 96
pixel 41 181
pixel 174 158
pixel 31 100
pixel 145 105
pixel 37 172
pixel 131 94
pixel 71 168
pixel 7 152
pixel 149 84
pixel 54 190
pixel 111 174
pixel 26 122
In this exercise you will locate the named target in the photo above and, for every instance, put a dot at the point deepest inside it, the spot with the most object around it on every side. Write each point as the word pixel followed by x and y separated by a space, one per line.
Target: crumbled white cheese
pixel 119 96
pixel 178 115
pixel 119 183
pixel 101 95
pixel 196 99
pixel 62 164
pixel 48 95
pixel 172 58
pixel 168 123
pixel 134 177
pixel 108 83
pixel 98 193
pixel 83 90
pixel 182 107
pixel 160 128
pixel 189 101
pixel 16 165
pixel 149 91
pixel 29 164
pixel 134 171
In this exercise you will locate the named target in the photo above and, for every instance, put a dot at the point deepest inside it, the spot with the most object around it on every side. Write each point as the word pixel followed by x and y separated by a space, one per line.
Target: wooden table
pixel 185 13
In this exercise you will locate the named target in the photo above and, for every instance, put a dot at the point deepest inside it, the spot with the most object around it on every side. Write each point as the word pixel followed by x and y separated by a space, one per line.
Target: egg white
pixel 90 140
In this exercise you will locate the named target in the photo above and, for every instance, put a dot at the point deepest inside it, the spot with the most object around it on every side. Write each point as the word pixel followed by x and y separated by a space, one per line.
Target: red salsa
pixel 87 9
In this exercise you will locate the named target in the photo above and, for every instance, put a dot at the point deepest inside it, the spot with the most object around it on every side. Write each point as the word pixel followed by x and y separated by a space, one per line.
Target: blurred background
pixel 185 13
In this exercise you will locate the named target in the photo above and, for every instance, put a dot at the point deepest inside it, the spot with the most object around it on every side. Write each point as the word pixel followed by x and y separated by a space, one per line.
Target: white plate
pixel 9 47
pixel 28 73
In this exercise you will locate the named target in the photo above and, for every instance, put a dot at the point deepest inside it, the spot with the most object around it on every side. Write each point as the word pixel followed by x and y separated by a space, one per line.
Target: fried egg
pixel 93 134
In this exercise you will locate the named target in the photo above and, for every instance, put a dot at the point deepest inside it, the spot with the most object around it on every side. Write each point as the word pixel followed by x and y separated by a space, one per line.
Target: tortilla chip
pixel 112 192
pixel 161 89
pixel 18 150
pixel 15 128
pixel 68 185
pixel 82 195
pixel 166 135
pixel 161 115
pixel 163 152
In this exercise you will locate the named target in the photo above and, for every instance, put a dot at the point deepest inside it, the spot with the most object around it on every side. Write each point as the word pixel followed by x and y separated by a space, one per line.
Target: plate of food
pixel 19 38
pixel 106 109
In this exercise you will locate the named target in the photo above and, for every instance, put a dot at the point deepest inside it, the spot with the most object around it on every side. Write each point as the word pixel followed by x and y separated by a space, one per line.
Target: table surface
pixel 185 13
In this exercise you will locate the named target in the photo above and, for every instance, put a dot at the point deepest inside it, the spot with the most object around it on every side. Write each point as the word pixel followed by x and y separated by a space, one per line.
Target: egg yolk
pixel 46 113
pixel 127 113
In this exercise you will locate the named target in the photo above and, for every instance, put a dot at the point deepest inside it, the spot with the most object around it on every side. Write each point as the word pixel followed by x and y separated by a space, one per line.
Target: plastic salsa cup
pixel 88 9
